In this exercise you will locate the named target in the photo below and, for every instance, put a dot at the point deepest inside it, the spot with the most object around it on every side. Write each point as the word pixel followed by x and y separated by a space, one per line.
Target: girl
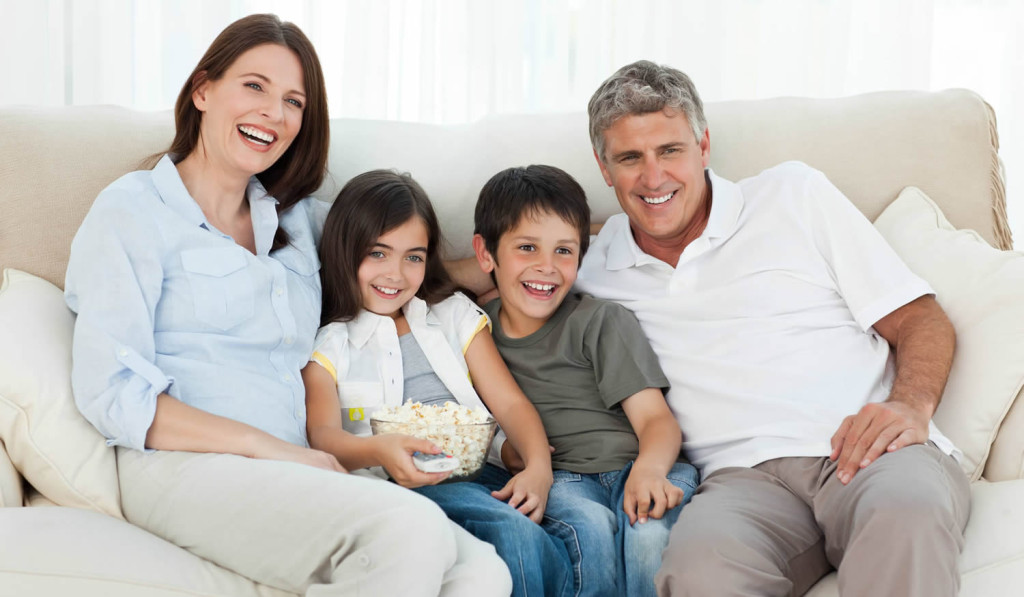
pixel 198 301
pixel 394 331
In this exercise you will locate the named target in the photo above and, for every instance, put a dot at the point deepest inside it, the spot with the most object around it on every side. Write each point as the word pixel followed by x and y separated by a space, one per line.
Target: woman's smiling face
pixel 253 112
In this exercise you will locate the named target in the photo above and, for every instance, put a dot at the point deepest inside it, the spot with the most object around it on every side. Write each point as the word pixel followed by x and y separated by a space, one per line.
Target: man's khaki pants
pixel 776 528
pixel 306 530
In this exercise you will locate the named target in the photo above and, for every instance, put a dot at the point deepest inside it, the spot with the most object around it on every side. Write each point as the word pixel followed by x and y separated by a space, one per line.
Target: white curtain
pixel 450 61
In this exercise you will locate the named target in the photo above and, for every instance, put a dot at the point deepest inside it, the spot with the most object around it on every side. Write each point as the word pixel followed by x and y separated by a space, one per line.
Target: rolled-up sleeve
pixel 114 281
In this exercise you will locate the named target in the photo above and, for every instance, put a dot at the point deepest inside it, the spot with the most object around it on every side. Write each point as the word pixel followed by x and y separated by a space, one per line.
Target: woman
pixel 198 297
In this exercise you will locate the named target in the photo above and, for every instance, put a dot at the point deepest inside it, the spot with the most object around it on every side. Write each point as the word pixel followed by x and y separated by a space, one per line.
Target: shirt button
pixel 278 290
pixel 289 340
pixel 364 560
pixel 122 353
pixel 286 377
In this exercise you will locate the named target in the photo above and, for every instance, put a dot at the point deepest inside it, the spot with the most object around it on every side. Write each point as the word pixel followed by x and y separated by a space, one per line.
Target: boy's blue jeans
pixel 609 556
pixel 538 562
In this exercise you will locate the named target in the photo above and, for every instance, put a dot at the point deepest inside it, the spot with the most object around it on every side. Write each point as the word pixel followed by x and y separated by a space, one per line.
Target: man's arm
pixel 467 274
pixel 923 339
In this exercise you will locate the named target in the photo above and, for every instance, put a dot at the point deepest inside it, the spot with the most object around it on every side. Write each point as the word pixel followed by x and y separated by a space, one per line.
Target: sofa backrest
pixel 54 161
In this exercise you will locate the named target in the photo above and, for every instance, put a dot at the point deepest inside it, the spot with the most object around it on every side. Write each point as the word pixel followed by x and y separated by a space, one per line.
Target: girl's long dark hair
pixel 369 206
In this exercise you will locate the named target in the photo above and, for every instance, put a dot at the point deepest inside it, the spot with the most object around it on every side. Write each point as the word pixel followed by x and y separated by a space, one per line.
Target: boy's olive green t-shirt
pixel 576 370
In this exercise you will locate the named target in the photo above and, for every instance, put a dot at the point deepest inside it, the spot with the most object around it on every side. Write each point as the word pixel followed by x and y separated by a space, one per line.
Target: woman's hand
pixel 649 494
pixel 291 453
pixel 527 492
pixel 394 452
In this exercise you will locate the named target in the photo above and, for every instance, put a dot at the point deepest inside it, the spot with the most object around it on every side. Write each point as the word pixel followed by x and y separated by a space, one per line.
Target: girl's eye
pixel 294 102
pixel 415 258
pixel 377 254
pixel 255 86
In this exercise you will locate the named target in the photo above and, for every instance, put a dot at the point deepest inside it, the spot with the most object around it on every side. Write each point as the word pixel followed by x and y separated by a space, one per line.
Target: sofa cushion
pixel 51 444
pixel 65 551
pixel 981 290
pixel 1006 460
pixel 11 494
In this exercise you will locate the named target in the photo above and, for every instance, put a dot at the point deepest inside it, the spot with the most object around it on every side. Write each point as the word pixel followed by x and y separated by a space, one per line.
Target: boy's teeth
pixel 256 135
pixel 387 290
pixel 541 287
pixel 657 200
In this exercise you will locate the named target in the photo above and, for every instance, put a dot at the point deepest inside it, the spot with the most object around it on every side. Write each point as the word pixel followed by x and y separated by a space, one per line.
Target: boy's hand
pixel 649 494
pixel 527 492
pixel 394 453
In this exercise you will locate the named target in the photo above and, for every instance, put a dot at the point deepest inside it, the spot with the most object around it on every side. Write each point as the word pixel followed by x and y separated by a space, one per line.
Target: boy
pixel 593 377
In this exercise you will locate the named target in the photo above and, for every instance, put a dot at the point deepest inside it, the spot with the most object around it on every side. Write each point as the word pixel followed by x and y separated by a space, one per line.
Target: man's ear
pixel 705 147
pixel 200 86
pixel 604 169
pixel 483 256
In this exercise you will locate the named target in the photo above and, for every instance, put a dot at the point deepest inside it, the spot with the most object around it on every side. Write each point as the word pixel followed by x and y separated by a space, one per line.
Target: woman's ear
pixel 200 86
pixel 483 256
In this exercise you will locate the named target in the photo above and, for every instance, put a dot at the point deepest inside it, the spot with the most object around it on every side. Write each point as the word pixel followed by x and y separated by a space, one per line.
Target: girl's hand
pixel 291 453
pixel 394 453
pixel 649 494
pixel 527 492
pixel 512 460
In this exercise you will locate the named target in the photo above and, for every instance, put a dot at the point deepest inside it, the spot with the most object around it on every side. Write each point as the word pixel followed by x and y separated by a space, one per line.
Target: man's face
pixel 657 169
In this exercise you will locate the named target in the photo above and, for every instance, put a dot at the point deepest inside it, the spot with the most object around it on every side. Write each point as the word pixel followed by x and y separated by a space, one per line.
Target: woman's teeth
pixel 256 135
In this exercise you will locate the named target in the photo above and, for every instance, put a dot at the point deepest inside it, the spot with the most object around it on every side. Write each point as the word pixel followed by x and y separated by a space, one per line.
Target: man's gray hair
pixel 641 88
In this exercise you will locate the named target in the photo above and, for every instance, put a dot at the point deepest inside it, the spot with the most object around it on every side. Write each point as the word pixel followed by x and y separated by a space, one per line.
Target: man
pixel 805 361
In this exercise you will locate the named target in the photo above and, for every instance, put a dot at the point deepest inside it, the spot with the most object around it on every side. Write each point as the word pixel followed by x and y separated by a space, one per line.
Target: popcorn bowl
pixel 457 430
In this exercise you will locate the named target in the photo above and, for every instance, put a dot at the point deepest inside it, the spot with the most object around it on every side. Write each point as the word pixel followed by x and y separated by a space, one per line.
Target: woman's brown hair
pixel 301 169
pixel 369 206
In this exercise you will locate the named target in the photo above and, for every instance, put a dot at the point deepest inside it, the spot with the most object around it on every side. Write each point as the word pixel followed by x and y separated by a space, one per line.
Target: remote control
pixel 435 463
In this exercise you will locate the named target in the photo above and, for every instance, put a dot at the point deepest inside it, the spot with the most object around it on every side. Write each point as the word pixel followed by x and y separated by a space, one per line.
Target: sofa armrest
pixel 11 494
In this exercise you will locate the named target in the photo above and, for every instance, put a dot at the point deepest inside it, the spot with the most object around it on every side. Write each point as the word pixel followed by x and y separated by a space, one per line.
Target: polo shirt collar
pixel 366 323
pixel 262 207
pixel 726 206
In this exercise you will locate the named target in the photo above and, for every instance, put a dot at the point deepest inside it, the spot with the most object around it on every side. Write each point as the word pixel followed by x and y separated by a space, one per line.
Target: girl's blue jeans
pixel 610 557
pixel 538 562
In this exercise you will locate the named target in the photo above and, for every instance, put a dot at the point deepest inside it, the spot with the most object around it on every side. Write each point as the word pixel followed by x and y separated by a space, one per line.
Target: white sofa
pixel 60 527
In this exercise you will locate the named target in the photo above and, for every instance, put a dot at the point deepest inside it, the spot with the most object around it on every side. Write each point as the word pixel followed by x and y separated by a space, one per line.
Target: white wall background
pixel 451 61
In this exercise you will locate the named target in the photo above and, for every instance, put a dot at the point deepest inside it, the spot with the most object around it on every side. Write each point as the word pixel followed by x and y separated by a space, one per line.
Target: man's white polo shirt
pixel 764 326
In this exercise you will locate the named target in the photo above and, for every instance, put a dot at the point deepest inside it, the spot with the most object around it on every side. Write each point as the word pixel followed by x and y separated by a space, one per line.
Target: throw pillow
pixel 981 289
pixel 51 444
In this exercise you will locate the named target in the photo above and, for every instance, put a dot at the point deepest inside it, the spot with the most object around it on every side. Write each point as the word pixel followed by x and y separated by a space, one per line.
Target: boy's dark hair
pixel 527 191
pixel 367 207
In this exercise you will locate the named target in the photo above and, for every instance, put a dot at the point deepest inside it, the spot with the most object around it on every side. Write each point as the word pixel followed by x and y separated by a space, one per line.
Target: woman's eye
pixel 294 102
pixel 377 254
pixel 415 258
pixel 255 86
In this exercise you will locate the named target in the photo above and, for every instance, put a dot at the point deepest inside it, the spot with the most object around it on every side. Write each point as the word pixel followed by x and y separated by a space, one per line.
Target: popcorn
pixel 461 431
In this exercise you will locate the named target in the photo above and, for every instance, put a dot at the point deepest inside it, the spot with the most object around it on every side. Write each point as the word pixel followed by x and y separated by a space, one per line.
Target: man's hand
pixel 527 492
pixel 649 494
pixel 878 428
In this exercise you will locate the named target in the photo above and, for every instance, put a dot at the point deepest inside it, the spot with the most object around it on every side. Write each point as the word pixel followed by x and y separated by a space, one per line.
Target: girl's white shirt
pixel 365 360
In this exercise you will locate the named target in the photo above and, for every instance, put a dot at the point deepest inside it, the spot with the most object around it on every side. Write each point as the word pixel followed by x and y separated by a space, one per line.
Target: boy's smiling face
pixel 535 267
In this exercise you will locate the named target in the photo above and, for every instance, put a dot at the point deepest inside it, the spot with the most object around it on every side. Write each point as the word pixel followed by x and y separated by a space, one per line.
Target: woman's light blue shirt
pixel 167 303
